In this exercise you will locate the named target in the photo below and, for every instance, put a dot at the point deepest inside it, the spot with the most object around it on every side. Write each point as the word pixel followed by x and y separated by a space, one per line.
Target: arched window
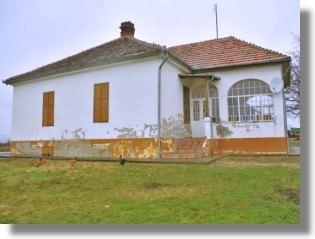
pixel 250 100
pixel 199 103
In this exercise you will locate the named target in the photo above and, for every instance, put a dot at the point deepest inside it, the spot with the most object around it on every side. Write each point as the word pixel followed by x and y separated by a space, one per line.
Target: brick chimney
pixel 127 29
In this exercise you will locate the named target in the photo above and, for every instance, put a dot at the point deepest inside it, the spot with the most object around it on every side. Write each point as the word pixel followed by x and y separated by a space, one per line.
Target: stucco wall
pixel 132 103
pixel 172 124
pixel 229 77
pixel 132 106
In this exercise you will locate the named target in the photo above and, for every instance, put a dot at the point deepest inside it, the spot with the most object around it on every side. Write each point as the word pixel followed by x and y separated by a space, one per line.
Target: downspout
pixel 285 120
pixel 164 49
pixel 285 109
pixel 211 125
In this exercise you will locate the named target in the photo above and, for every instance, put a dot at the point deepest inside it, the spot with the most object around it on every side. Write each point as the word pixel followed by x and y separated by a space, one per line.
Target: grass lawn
pixel 231 190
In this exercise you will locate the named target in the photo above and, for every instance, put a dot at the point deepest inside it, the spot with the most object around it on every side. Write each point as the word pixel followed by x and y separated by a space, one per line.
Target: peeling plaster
pixel 152 129
pixel 76 134
pixel 246 126
pixel 174 126
pixel 79 147
pixel 28 149
pixel 148 130
pixel 223 131
pixel 126 132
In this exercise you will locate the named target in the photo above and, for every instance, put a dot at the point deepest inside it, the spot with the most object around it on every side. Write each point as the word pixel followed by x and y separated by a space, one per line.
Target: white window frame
pixel 262 100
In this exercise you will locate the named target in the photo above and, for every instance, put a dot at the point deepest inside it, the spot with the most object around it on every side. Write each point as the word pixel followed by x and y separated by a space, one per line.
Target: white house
pixel 140 100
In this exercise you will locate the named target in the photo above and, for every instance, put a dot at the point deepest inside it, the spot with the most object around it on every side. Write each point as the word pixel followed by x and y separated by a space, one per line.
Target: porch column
pixel 207 98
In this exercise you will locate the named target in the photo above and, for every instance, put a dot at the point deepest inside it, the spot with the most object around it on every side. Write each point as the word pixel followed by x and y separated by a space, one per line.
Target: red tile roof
pixel 216 53
pixel 224 52
pixel 117 49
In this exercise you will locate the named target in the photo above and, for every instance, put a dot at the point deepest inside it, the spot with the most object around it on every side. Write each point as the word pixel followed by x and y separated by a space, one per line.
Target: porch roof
pixel 201 75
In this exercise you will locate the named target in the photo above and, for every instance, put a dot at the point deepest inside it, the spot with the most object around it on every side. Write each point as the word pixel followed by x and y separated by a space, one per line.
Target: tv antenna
pixel 216 18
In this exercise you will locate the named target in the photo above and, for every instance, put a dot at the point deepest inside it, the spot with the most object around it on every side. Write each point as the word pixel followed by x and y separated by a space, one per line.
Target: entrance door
pixel 199 111
pixel 186 101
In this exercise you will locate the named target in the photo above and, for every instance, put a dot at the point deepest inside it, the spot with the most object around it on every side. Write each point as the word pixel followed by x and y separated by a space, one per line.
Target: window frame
pixel 214 102
pixel 249 91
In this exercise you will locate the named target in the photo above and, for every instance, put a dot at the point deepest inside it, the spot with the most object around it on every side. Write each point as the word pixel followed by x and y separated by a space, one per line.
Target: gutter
pixel 164 49
pixel 201 75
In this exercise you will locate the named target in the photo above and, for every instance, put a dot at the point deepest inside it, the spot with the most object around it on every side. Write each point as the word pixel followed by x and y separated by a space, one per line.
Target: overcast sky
pixel 37 32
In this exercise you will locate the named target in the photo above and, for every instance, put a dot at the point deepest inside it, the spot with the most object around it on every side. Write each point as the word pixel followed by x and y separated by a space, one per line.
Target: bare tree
pixel 292 93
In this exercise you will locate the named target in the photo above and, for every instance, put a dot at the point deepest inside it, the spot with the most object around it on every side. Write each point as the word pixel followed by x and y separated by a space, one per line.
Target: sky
pixel 34 33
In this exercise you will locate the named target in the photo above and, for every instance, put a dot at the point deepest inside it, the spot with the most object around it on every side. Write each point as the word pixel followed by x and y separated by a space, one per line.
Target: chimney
pixel 127 29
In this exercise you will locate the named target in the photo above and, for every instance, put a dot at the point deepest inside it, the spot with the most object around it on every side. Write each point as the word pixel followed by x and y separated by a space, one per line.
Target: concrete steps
pixel 188 148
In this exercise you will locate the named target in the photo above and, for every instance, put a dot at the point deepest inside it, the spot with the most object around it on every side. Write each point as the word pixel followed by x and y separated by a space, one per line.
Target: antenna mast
pixel 216 18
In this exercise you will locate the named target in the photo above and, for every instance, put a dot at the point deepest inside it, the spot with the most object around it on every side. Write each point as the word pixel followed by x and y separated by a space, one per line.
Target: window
pixel 250 100
pixel 198 95
pixel 196 110
pixel 101 100
pixel 48 108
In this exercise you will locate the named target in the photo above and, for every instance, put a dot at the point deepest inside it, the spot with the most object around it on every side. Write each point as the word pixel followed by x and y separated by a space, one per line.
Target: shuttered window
pixel 48 108
pixel 101 99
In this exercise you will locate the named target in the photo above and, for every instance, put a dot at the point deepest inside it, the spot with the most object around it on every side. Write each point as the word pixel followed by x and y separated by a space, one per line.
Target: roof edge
pixel 281 60
pixel 16 79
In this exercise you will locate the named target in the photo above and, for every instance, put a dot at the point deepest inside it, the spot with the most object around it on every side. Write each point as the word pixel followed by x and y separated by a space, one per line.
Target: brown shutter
pixel 45 109
pixel 48 108
pixel 101 102
pixel 51 108
pixel 97 103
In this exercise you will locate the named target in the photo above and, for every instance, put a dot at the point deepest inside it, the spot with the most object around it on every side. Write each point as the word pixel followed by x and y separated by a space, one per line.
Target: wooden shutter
pixel 101 102
pixel 48 108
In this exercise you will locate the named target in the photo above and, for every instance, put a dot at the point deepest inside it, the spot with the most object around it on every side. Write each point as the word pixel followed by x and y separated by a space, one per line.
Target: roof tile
pixel 223 52
pixel 115 49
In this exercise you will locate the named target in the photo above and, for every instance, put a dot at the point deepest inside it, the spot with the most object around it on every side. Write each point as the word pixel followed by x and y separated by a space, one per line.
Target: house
pixel 140 100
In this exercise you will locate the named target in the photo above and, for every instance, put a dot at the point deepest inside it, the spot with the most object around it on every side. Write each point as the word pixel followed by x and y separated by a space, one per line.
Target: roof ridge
pixel 210 40
pixel 144 42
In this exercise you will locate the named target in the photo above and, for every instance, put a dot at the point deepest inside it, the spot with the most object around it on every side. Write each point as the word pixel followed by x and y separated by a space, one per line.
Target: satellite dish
pixel 276 85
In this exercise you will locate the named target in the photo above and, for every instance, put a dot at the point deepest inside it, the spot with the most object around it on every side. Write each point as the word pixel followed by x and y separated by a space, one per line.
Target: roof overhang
pixel 245 64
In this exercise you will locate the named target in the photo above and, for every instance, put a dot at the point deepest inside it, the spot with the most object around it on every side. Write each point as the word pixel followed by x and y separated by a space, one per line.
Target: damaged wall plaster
pixel 173 126
pixel 76 134
pixel 223 131
pixel 79 147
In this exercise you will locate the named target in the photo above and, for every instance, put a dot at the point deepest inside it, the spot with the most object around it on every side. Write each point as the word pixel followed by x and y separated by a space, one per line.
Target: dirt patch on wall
pixel 96 148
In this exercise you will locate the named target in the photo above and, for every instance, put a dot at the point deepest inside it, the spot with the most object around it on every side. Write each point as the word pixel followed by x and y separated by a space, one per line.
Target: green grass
pixel 232 190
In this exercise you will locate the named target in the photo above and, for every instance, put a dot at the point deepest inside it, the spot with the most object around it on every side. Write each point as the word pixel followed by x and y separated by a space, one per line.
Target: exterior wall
pixel 132 104
pixel 226 129
pixel 132 127
pixel 172 107
pixel 94 148
pixel 142 147
pixel 272 145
